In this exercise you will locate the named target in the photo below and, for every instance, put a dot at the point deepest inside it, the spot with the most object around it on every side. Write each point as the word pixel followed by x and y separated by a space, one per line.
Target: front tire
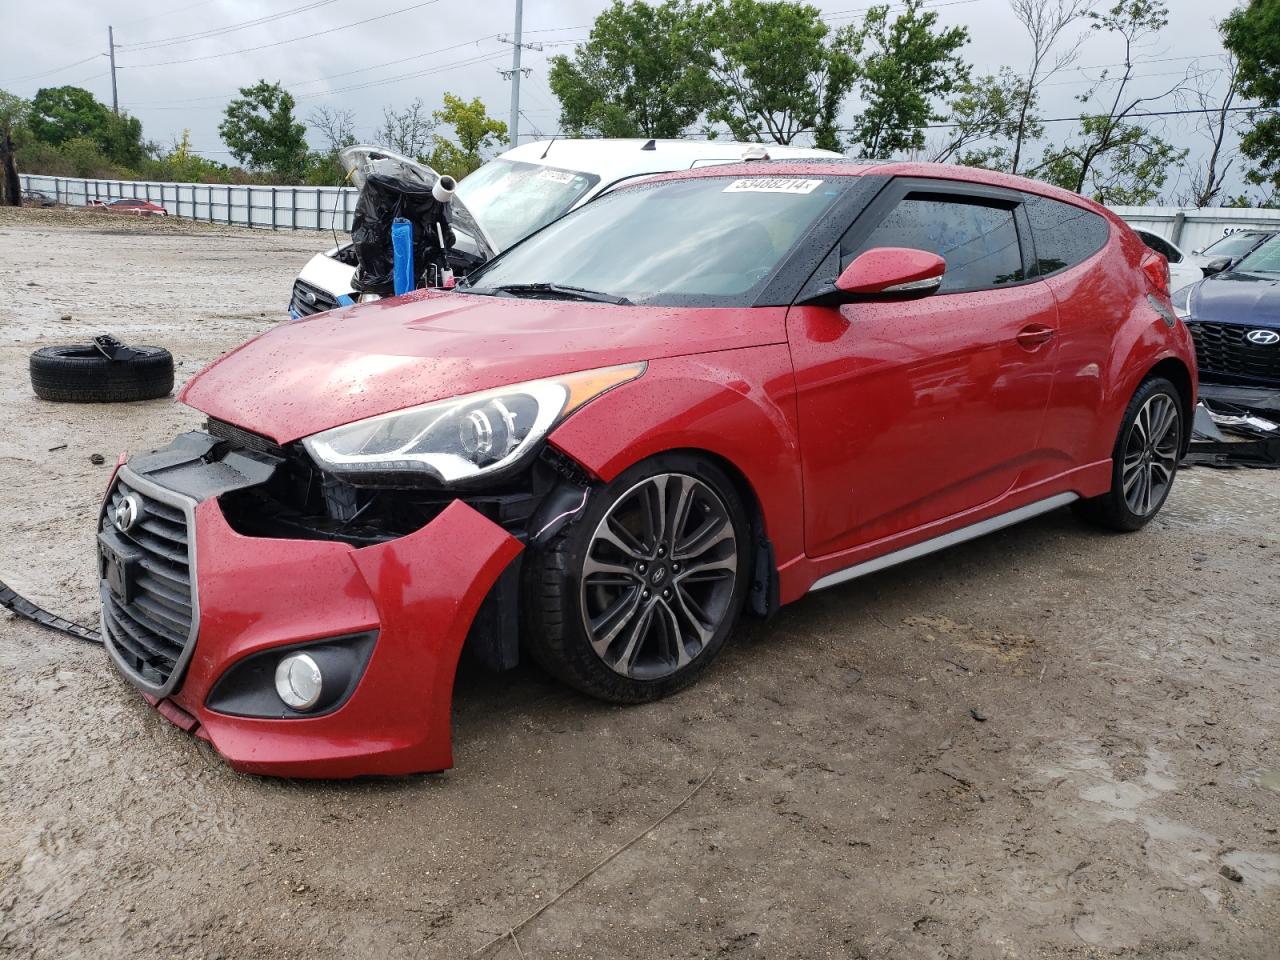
pixel 633 601
pixel 1144 461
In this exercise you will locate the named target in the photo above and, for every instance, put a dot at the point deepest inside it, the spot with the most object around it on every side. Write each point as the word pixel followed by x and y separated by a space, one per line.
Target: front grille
pixel 309 299
pixel 1221 348
pixel 151 633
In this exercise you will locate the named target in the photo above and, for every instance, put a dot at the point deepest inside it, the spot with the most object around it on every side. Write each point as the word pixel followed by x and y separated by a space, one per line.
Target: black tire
pixel 556 600
pixel 82 374
pixel 1113 509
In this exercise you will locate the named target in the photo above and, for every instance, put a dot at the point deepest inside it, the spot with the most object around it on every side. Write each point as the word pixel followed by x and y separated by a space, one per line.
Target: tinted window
pixel 979 241
pixel 1064 234
pixel 1160 245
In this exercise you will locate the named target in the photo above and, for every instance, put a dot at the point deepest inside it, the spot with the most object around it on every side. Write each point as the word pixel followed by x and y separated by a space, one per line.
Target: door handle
pixel 1034 336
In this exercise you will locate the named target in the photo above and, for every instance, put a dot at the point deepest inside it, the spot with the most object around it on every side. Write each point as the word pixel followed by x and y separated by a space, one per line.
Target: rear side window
pixel 978 240
pixel 1064 234
pixel 1160 245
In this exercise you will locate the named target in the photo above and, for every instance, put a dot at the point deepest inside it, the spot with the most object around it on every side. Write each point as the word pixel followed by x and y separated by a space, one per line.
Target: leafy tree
pixel 1252 34
pixel 777 71
pixel 407 131
pixel 904 66
pixel 1114 158
pixel 640 74
pixel 13 116
pixel 184 165
pixel 1045 22
pixel 61 114
pixel 986 119
pixel 474 131
pixel 260 130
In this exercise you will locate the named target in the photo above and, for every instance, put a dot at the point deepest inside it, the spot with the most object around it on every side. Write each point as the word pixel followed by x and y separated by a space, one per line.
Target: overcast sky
pixel 416 49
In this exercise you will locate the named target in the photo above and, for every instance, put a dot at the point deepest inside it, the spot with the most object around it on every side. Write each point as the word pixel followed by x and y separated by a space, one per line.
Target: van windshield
pixel 713 241
pixel 511 199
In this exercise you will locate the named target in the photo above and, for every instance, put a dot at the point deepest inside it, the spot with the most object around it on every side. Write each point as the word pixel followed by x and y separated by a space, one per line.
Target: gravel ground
pixel 1120 796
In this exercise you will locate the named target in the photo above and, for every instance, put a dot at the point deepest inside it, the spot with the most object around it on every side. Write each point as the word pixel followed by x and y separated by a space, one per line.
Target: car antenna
pixel 651 145
pixel 549 146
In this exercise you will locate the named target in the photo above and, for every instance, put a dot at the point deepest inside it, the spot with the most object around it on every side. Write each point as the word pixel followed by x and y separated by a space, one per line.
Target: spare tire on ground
pixel 83 373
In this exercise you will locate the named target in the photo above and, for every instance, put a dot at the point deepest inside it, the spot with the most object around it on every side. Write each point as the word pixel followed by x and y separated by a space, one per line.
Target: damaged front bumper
pixel 196 615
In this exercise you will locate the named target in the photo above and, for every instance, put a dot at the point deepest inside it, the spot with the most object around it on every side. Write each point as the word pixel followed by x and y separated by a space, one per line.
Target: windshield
pixel 1266 259
pixel 1233 245
pixel 713 241
pixel 512 199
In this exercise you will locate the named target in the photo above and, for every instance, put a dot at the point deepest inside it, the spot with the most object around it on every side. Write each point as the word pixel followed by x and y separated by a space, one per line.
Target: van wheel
pixel 634 600
pixel 1144 461
pixel 83 374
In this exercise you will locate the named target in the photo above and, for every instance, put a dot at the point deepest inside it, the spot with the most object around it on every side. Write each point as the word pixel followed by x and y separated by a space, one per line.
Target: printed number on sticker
pixel 773 185
pixel 557 176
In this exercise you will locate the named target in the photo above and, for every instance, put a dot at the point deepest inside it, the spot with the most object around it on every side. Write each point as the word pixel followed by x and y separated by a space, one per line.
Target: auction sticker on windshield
pixel 773 185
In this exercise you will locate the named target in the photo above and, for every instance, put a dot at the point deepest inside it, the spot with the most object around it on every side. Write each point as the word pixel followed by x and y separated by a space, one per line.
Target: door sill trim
pixel 924 547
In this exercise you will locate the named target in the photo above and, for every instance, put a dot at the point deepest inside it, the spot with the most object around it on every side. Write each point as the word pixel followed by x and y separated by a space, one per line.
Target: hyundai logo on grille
pixel 126 513
pixel 1264 338
pixel 308 296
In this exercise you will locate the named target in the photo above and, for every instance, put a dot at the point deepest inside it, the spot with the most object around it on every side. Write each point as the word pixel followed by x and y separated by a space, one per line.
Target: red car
pixel 139 208
pixel 708 393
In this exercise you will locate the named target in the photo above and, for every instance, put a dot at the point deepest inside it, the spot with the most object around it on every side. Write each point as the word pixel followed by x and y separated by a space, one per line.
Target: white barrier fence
pixel 1194 228
pixel 244 205
pixel 324 208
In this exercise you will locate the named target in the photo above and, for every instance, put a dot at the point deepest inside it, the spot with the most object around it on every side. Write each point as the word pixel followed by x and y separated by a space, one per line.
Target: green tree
pixel 1252 33
pixel 905 65
pixel 260 131
pixel 640 74
pixel 474 131
pixel 1111 157
pixel 13 116
pixel 986 117
pixel 778 72
pixel 61 114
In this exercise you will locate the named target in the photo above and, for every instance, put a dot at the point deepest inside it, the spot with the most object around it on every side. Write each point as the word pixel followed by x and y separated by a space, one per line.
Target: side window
pixel 979 240
pixel 1064 234
pixel 1160 245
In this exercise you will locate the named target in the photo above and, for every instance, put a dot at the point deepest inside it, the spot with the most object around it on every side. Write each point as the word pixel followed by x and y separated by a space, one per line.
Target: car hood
pixel 308 375
pixel 363 159
pixel 1239 298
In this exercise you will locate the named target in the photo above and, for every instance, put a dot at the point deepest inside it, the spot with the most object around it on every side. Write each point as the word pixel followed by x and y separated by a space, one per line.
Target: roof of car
pixel 847 167
pixel 615 159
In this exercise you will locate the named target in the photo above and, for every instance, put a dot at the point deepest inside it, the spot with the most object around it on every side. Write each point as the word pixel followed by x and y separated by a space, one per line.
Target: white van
pixel 522 191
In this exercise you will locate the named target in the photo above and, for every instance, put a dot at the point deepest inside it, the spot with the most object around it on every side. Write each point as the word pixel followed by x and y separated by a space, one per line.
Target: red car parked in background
pixel 139 208
pixel 710 392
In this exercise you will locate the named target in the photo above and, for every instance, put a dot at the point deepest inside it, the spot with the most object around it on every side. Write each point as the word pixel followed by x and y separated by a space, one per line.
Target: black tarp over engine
pixel 383 198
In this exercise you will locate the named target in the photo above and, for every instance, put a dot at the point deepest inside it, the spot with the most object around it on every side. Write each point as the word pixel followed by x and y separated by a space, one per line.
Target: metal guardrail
pixel 244 205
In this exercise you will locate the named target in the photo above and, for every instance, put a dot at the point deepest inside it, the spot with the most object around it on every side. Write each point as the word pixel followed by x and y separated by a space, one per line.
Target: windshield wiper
pixel 561 290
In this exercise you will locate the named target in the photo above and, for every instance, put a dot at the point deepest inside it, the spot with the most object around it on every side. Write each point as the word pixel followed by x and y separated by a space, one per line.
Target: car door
pixel 912 411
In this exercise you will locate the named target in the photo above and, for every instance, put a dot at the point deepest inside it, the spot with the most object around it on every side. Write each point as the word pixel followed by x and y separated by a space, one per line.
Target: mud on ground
pixel 855 806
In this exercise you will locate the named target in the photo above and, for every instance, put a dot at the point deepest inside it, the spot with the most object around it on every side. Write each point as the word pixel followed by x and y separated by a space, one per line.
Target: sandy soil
pixel 853 805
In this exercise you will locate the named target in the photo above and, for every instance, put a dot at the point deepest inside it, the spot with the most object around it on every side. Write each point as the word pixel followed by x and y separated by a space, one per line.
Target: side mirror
pixel 1216 265
pixel 892 272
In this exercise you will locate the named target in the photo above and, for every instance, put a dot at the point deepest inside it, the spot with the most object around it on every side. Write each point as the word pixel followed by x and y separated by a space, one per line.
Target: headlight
pixel 1182 301
pixel 466 437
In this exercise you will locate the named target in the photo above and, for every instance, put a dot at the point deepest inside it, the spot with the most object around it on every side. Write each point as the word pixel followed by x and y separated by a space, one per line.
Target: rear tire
pixel 632 601
pixel 82 374
pixel 1144 460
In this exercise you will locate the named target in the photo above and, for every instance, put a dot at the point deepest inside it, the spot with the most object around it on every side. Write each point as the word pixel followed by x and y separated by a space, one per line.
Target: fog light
pixel 298 681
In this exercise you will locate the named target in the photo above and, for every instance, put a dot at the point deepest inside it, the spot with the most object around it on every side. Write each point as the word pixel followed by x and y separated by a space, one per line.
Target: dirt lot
pixel 853 805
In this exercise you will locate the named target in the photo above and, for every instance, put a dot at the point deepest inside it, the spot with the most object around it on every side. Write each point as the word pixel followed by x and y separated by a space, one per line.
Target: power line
pixel 280 43
pixel 221 31
pixel 166 13
pixel 46 73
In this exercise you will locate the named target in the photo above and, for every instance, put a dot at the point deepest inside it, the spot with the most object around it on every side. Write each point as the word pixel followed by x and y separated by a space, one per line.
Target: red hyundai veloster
pixel 710 392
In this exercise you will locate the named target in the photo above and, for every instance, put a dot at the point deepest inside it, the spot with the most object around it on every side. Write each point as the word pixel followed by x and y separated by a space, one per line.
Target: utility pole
pixel 111 47
pixel 514 127
pixel 514 74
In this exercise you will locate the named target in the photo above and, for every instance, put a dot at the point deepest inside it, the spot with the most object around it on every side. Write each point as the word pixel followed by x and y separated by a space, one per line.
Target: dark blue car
pixel 1234 318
